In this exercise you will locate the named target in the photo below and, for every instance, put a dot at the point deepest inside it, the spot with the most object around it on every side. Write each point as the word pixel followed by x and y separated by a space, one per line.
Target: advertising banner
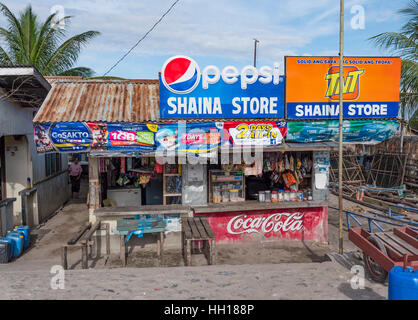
pixel 186 92
pixel 309 224
pixel 42 142
pixel 370 87
pixel 263 133
pixel 135 137
pixel 197 138
pixel 95 136
pixel 70 136
pixel 354 131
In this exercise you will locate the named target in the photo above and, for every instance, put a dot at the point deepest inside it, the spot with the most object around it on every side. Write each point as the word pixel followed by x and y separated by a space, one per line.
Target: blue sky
pixel 218 32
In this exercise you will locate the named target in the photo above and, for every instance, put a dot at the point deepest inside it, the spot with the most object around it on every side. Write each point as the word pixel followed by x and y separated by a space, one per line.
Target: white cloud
pixel 218 28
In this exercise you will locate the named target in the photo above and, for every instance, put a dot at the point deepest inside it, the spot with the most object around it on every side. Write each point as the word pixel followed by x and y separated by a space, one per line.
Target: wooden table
pixel 193 229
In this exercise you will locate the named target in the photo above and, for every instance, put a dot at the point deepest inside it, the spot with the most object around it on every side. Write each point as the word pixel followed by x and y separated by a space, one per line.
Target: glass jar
pixel 280 196
pixel 261 196
pixel 268 195
pixel 286 195
pixel 310 197
pixel 293 195
pixel 233 195
pixel 225 196
pixel 274 196
pixel 217 198
pixel 300 195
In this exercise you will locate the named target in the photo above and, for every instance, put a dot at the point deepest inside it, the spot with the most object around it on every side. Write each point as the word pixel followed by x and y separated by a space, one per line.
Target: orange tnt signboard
pixel 370 87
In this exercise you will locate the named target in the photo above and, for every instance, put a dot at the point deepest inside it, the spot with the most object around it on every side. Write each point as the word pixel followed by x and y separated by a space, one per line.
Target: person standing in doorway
pixel 75 171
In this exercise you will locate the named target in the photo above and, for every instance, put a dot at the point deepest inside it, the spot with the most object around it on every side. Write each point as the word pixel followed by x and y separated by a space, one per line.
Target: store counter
pixel 241 221
pixel 267 221
pixel 250 205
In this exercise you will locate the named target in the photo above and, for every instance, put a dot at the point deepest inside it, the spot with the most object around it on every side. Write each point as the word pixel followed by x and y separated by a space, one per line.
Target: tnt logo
pixel 351 83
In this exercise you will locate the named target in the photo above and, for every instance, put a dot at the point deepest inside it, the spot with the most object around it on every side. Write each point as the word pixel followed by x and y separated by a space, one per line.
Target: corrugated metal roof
pixel 101 100
pixel 53 79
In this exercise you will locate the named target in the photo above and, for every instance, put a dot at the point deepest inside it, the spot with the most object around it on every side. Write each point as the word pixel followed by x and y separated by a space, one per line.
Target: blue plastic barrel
pixel 403 284
pixel 18 240
pixel 25 230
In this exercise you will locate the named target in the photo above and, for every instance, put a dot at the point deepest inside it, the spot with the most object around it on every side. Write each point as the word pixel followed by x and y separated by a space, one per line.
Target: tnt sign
pixel 351 82
pixel 370 87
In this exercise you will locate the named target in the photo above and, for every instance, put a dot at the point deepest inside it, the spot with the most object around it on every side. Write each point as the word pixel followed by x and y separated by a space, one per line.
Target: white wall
pixel 14 119
pixel 22 162
pixel 18 168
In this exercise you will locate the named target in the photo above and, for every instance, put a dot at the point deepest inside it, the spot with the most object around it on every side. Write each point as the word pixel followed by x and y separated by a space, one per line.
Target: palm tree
pixel 404 44
pixel 42 45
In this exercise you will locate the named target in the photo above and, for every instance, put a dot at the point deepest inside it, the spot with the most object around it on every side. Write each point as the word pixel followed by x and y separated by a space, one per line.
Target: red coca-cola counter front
pixel 253 221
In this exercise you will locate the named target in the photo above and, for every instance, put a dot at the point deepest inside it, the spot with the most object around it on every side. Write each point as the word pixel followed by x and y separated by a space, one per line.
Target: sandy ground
pixel 280 270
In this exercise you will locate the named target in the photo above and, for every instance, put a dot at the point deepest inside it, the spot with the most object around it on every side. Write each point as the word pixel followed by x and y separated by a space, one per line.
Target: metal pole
pixel 255 52
pixel 340 140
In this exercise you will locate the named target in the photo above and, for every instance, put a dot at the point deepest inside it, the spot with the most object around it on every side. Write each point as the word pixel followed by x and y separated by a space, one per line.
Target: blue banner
pixel 197 138
pixel 354 131
pixel 225 101
pixel 70 136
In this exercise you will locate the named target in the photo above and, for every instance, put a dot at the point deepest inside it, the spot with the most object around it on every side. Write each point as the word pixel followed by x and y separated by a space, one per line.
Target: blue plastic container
pixel 18 240
pixel 22 233
pixel 403 284
pixel 11 246
pixel 25 230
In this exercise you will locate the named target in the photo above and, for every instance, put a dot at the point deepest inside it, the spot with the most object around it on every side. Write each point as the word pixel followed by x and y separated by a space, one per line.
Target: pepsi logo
pixel 180 74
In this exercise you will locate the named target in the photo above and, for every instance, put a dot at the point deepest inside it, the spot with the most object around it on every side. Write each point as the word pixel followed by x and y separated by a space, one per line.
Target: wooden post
pixel 123 250
pixel 212 251
pixel 158 245
pixel 188 252
pixel 84 256
pixel 64 261
pixel 107 239
pixel 94 186
pixel 161 236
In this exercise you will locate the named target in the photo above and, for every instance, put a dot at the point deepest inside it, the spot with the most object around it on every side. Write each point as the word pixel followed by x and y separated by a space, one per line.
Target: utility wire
pixel 148 32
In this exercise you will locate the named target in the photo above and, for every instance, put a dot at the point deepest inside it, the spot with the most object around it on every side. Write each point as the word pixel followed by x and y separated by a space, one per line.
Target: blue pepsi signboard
pixel 188 93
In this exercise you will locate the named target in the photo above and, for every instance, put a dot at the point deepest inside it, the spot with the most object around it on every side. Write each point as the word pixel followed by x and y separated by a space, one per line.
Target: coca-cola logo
pixel 274 223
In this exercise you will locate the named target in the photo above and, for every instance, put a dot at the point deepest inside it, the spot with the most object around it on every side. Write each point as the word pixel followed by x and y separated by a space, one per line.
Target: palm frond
pixel 67 53
pixel 47 42
pixel 27 41
pixel 397 43
pixel 5 59
pixel 15 39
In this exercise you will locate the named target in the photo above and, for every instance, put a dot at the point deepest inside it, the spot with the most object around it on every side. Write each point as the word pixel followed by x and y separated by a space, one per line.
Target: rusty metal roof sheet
pixel 53 79
pixel 101 100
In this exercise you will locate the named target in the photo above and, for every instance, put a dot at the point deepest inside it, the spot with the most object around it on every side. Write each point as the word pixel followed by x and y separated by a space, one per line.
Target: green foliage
pixel 413 123
pixel 42 45
pixel 404 44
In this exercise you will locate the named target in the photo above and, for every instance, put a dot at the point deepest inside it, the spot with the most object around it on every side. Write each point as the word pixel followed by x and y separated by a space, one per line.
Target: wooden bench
pixel 147 225
pixel 193 229
pixel 83 239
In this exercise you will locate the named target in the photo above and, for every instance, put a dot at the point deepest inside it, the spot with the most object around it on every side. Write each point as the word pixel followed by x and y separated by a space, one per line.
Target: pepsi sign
pixel 186 92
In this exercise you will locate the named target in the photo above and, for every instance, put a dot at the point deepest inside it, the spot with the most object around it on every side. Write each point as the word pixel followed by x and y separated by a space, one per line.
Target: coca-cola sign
pixel 307 224
pixel 283 221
